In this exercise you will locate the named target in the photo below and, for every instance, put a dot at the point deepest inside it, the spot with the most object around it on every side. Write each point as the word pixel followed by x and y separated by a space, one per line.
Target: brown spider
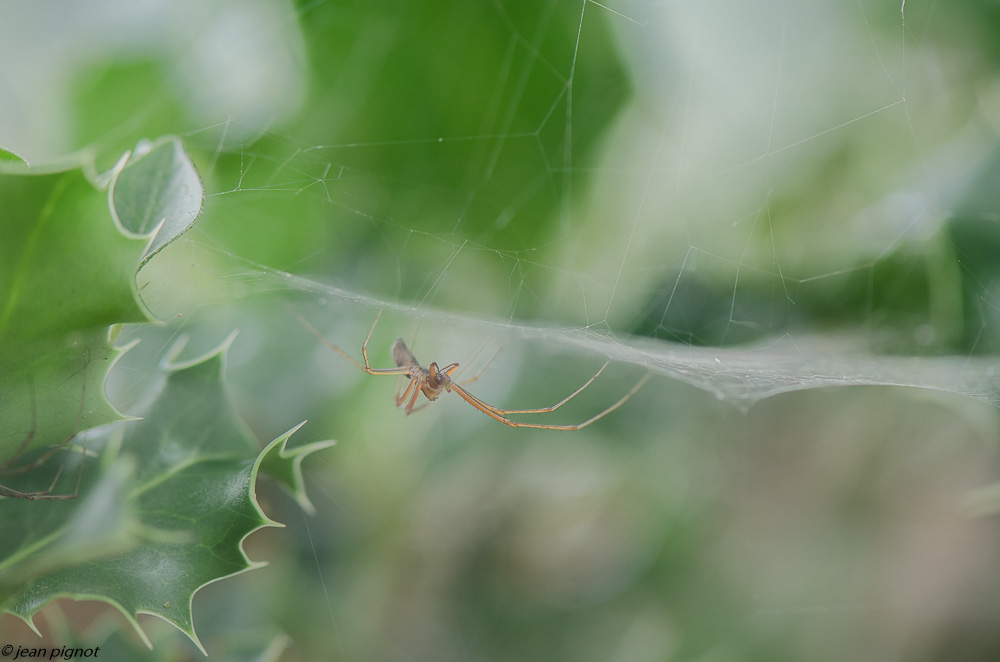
pixel 8 468
pixel 433 380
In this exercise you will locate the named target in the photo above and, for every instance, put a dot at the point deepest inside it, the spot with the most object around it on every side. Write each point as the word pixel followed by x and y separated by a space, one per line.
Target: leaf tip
pixel 11 158
pixel 285 465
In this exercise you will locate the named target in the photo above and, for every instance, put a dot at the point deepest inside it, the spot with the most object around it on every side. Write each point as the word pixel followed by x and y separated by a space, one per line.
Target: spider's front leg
pixel 409 393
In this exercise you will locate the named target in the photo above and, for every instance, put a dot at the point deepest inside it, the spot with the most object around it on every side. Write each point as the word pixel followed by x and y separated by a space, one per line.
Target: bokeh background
pixel 664 178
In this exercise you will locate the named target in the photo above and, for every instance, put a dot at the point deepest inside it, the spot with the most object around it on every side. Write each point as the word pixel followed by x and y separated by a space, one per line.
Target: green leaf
pixel 67 273
pixel 193 497
pixel 285 466
pixel 6 156
pixel 163 504
pixel 42 540
pixel 159 193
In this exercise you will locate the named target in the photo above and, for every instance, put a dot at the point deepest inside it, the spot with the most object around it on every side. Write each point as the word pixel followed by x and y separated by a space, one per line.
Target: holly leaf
pixel 192 497
pixel 164 503
pixel 67 274
pixel 11 157
pixel 38 541
pixel 159 194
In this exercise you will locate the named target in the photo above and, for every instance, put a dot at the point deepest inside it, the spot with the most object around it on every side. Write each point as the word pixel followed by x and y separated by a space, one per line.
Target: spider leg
pixel 401 398
pixel 485 366
pixel 34 496
pixel 546 410
pixel 489 410
pixel 422 405
pixel 498 414
pixel 41 460
pixel 364 349
pixel 79 475
pixel 413 398
pixel 316 332
pixel 47 494
pixel 364 346
pixel 44 495
pixel 31 431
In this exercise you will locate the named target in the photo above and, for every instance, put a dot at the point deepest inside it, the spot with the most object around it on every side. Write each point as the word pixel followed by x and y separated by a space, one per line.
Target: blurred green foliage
pixel 710 174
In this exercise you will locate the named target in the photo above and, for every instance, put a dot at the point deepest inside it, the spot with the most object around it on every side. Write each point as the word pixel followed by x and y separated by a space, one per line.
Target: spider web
pixel 746 198
pixel 767 189
pixel 789 196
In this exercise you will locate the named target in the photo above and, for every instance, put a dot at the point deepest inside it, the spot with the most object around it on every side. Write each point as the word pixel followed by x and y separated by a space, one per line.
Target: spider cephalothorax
pixel 430 381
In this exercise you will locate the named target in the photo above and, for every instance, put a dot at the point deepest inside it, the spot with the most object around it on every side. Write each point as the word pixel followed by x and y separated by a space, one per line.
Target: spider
pixel 433 380
pixel 7 468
